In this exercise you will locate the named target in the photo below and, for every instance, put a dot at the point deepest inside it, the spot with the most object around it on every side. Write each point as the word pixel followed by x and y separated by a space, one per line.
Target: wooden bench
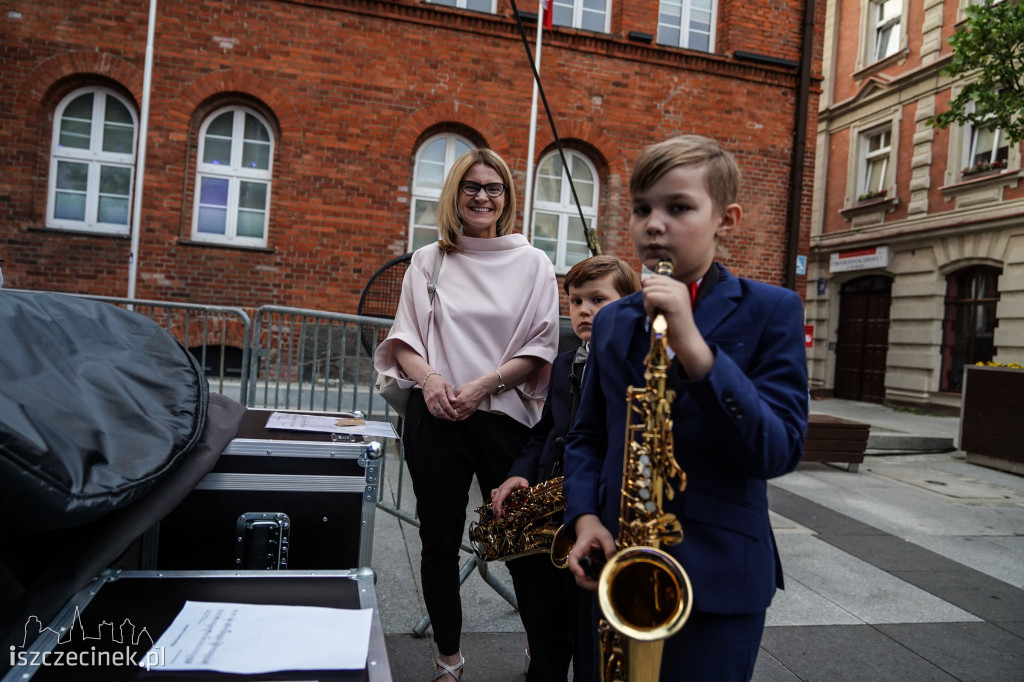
pixel 831 439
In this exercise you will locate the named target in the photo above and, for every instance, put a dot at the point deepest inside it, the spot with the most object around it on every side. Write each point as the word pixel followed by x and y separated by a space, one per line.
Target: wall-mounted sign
pixel 822 285
pixel 801 265
pixel 809 335
pixel 859 259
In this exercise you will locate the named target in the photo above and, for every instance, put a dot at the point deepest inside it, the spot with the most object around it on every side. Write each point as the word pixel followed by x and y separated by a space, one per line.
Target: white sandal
pixel 453 670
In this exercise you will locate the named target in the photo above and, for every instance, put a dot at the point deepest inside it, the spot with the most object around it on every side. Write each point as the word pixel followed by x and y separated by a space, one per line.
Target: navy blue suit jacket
pixel 739 426
pixel 547 437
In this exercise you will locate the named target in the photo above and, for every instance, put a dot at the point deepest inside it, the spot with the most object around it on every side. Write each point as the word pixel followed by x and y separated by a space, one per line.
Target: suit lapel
pixel 627 344
pixel 719 303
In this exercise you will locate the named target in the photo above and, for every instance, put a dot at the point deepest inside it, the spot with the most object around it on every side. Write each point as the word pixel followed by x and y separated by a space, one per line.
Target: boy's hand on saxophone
pixel 671 298
pixel 592 539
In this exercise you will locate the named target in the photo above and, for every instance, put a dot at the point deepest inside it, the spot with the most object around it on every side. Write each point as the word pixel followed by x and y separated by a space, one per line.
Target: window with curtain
pixel 434 159
pixel 557 229
pixel 968 331
pixel 233 178
pixel 987 148
pixel 92 162
pixel 590 15
pixel 876 148
pixel 886 16
pixel 687 23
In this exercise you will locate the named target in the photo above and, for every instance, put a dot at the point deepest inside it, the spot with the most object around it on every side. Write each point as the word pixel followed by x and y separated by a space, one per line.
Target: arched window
pixel 968 331
pixel 92 162
pixel 233 178
pixel 434 159
pixel 557 229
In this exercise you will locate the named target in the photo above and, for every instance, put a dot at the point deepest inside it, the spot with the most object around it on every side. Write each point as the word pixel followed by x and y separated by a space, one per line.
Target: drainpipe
pixel 796 182
pixel 140 160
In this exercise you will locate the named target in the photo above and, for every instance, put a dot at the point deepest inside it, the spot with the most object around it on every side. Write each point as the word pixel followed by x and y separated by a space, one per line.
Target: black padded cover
pixel 97 404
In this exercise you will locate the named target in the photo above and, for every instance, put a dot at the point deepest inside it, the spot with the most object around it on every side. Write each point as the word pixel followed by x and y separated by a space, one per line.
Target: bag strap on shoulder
pixel 432 284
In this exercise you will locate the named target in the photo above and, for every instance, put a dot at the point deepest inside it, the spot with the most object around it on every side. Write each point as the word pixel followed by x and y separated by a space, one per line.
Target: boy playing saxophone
pixel 739 415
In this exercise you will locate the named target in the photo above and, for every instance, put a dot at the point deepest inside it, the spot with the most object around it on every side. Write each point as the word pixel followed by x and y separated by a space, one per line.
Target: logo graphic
pixel 111 646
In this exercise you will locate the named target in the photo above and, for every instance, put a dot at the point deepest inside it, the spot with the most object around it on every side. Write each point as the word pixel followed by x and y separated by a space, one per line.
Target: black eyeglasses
pixel 493 189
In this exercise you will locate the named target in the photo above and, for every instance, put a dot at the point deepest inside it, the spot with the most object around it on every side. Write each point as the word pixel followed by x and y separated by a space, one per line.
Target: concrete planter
pixel 992 417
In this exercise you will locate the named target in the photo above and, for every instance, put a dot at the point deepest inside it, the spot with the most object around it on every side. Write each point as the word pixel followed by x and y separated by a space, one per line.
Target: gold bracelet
pixel 423 385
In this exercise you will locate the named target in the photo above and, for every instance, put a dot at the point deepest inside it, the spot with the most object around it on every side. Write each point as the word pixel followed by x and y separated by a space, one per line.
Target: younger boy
pixel 555 615
pixel 739 415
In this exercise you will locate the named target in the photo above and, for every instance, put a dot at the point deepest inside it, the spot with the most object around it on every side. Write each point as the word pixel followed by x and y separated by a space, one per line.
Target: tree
pixel 990 42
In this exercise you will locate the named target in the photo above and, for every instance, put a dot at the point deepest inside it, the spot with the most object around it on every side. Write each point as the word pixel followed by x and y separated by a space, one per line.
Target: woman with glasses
pixel 479 352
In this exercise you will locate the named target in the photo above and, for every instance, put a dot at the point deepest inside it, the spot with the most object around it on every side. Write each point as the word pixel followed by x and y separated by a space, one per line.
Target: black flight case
pixel 275 500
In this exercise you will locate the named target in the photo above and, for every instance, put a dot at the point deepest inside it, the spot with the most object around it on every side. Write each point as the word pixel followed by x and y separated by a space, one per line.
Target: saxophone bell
pixel 645 594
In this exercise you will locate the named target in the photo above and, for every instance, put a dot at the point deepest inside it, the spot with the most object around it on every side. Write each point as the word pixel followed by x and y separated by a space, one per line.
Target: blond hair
pixel 448 222
pixel 721 173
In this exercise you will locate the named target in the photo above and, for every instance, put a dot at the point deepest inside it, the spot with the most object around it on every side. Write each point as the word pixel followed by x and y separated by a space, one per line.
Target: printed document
pixel 260 638
pixel 293 421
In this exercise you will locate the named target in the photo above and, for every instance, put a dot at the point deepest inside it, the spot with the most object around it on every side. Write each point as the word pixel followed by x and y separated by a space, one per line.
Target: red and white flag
pixel 548 12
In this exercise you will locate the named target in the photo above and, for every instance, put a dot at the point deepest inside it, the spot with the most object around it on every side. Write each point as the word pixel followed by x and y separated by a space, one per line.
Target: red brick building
pixel 293 147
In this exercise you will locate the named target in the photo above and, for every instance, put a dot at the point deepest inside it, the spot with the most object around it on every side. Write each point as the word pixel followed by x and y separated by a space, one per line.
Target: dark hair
pixel 626 281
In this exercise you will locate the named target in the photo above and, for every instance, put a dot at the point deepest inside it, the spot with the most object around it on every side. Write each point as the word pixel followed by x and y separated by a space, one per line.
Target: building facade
pixel 916 265
pixel 293 147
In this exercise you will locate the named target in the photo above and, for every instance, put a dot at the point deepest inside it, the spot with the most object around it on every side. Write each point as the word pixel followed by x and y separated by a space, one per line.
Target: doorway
pixel 862 338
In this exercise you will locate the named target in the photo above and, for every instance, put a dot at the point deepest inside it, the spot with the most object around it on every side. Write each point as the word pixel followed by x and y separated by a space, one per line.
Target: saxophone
pixel 644 593
pixel 531 524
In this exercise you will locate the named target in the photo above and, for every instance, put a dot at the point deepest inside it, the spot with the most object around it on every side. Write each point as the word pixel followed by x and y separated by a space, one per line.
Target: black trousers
pixel 443 456
pixel 556 614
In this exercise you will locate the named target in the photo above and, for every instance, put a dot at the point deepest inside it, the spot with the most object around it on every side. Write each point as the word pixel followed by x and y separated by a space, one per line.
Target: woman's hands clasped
pixel 453 404
pixel 439 396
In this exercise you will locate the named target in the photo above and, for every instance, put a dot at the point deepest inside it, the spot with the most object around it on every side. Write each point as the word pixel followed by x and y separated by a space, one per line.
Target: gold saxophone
pixel 645 594
pixel 530 524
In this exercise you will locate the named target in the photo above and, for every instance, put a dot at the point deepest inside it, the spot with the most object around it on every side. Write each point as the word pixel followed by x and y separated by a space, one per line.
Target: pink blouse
pixel 496 300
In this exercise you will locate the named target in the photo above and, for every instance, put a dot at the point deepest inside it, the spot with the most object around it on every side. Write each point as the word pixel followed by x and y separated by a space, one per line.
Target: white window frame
pixel 872 24
pixel 235 174
pixel 462 4
pixel 868 157
pixel 856 169
pixel 685 23
pixel 881 23
pixel 95 159
pixel 453 149
pixel 564 209
pixel 578 12
pixel 961 140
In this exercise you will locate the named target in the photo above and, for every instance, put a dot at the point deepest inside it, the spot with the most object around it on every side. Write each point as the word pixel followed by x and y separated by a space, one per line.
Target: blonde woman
pixel 480 355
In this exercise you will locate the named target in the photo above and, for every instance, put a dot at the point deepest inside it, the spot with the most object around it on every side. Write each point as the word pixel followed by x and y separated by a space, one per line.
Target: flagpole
pixel 528 194
pixel 140 156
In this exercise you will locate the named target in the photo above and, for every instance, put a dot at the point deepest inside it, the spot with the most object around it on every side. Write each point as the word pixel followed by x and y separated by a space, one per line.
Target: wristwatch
pixel 501 383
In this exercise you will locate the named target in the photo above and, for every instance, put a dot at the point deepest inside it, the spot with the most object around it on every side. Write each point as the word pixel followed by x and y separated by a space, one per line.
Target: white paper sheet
pixel 291 421
pixel 260 638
